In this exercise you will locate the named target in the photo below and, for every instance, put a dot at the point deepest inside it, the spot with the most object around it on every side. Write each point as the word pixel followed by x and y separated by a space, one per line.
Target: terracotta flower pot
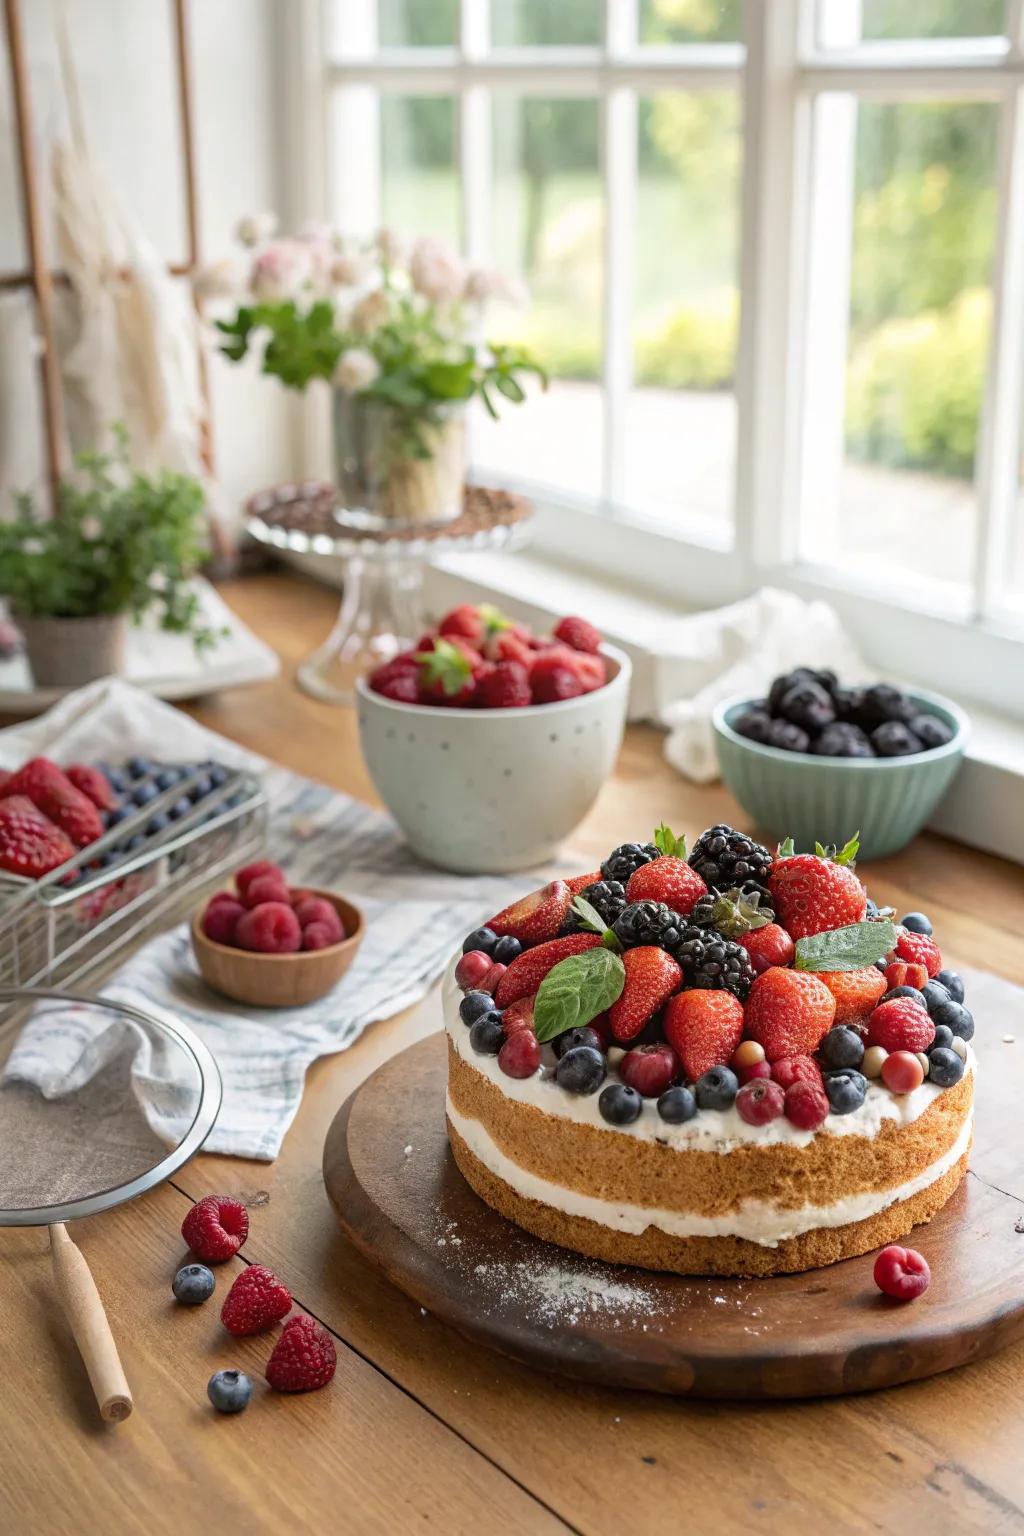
pixel 66 653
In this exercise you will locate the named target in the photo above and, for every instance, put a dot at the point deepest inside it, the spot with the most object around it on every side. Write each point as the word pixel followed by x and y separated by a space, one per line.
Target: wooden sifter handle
pixel 88 1321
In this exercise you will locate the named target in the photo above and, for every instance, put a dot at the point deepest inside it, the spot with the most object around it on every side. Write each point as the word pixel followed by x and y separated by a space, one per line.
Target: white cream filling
pixel 711 1131
pixel 755 1220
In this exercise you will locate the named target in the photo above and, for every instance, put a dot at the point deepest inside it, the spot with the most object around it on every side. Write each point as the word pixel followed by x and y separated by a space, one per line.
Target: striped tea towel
pixel 415 917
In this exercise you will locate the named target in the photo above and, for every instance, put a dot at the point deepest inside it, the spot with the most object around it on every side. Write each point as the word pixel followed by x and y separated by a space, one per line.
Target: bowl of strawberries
pixel 272 945
pixel 487 742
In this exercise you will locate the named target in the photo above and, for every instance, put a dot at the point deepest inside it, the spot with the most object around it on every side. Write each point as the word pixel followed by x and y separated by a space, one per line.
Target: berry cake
pixel 728 1063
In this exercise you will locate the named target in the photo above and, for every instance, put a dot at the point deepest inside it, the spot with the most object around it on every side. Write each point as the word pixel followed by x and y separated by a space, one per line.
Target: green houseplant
pixel 122 546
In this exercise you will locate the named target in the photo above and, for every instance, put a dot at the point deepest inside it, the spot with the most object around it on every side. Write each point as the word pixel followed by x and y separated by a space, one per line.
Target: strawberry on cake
pixel 728 1063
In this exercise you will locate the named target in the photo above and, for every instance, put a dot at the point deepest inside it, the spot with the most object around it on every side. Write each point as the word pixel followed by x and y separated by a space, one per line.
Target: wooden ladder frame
pixel 41 277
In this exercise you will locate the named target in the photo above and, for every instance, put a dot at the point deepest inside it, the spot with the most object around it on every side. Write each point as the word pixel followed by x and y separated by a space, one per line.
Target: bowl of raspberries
pixel 273 945
pixel 816 754
pixel 487 742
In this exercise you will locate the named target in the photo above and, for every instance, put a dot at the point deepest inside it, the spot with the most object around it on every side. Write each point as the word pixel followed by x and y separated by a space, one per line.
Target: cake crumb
pixel 407 1151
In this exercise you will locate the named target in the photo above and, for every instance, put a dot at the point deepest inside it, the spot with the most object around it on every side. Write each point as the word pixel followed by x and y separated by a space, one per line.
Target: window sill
pixel 982 807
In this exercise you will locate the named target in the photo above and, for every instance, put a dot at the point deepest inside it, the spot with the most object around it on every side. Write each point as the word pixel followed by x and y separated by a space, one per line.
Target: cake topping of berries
pixel 535 917
pixel 668 879
pixel 759 1102
pixel 806 1106
pixel 649 922
pixel 816 891
pixel 651 978
pixel 622 862
pixel 901 1024
pixel 650 1069
pixel 711 962
pixel 725 858
pixel 704 1028
pixel 919 949
pixel 788 1012
pixel 733 913
pixel 607 897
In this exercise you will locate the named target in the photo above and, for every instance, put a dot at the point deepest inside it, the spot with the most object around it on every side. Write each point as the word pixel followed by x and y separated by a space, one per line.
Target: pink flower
pixel 436 271
pixel 486 283
pixel 279 271
pixel 392 248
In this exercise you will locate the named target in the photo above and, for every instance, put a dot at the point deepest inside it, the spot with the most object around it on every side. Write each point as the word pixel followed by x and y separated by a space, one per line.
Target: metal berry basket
pixel 59 929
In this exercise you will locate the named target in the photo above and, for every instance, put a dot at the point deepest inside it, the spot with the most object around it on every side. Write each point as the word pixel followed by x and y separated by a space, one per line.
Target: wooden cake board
pixel 400 1198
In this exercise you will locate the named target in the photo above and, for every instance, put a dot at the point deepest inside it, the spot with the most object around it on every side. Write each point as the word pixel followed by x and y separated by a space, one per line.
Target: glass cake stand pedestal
pixel 381 605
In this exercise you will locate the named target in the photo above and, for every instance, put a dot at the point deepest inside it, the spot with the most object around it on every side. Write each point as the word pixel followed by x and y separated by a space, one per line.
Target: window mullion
pixel 619 136
pixel 998 460
pixel 767 373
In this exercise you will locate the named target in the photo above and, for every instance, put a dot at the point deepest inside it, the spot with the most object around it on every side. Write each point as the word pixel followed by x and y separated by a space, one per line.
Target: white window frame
pixel 974 647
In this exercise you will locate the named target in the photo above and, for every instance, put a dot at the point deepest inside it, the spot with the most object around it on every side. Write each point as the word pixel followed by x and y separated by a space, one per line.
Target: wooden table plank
pixel 942 1455
pixel 287 1463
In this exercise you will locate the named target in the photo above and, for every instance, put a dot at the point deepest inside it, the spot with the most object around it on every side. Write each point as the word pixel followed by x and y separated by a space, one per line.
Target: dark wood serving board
pixel 400 1198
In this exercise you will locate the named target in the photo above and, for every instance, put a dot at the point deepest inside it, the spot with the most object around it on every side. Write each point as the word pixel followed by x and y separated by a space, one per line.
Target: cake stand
pixel 381 605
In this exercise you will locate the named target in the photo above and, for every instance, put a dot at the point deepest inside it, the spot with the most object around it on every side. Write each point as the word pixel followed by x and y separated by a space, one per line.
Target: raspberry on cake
pixel 636 1090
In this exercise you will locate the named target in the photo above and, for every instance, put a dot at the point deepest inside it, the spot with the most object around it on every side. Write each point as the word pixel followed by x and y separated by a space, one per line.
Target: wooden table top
pixel 419 1429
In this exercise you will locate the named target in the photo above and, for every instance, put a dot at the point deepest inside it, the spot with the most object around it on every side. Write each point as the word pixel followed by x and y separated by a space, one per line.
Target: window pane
pixel 690 21
pixel 417 23
pixel 419 186
pixel 548 229
pixel 923 219
pixel 906 20
pixel 538 23
pixel 681 421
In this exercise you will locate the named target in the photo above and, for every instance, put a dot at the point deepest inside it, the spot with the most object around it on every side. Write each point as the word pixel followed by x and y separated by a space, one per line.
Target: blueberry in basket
pixel 810 711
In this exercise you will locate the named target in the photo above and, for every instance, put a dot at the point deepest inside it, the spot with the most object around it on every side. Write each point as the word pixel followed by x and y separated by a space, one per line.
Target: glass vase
pixel 382 482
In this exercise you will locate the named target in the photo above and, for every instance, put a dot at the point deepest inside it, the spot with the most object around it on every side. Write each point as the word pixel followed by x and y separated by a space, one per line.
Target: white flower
pixel 392 248
pixel 279 271
pixel 91 528
pixel 356 370
pixel 221 279
pixel 371 311
pixel 486 283
pixel 436 271
pixel 32 547
pixel 255 228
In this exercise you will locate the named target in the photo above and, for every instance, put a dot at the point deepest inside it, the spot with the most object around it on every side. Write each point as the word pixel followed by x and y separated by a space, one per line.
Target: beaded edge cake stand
pixel 381 605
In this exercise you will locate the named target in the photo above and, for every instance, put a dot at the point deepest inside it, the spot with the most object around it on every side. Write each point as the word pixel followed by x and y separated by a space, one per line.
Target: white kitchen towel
pixel 415 917
pixel 737 651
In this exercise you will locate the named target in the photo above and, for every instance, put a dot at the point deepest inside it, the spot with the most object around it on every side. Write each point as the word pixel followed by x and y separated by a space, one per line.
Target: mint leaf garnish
pixel 668 844
pixel 592 922
pixel 845 949
pixel 576 990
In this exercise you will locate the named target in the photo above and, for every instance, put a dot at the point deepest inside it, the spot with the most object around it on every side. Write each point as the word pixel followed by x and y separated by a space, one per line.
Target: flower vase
pixel 390 477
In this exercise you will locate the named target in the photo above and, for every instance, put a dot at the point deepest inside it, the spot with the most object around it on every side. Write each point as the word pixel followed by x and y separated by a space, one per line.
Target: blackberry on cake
pixel 622 861
pixel 648 922
pixel 725 858
pixel 734 912
pixel 607 897
pixel 709 962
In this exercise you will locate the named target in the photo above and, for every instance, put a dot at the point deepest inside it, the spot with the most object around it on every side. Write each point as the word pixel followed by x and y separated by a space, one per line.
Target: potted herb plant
pixel 396 331
pixel 122 546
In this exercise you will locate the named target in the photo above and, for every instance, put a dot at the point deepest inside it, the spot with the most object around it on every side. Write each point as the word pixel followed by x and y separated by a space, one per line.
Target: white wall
pixel 125 60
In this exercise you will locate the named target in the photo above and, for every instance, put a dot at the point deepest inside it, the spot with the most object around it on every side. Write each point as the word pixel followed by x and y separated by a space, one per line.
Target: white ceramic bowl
pixel 483 791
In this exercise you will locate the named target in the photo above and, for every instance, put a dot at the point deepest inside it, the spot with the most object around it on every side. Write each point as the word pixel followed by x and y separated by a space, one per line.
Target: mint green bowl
pixel 828 799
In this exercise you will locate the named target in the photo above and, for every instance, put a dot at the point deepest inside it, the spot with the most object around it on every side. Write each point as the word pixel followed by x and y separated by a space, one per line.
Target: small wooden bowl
pixel 278 981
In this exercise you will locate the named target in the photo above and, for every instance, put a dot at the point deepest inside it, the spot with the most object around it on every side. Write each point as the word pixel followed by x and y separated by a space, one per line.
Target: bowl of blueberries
pixel 816 760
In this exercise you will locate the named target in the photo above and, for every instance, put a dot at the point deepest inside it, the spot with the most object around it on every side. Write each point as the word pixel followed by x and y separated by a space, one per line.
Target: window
pixel 776 263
